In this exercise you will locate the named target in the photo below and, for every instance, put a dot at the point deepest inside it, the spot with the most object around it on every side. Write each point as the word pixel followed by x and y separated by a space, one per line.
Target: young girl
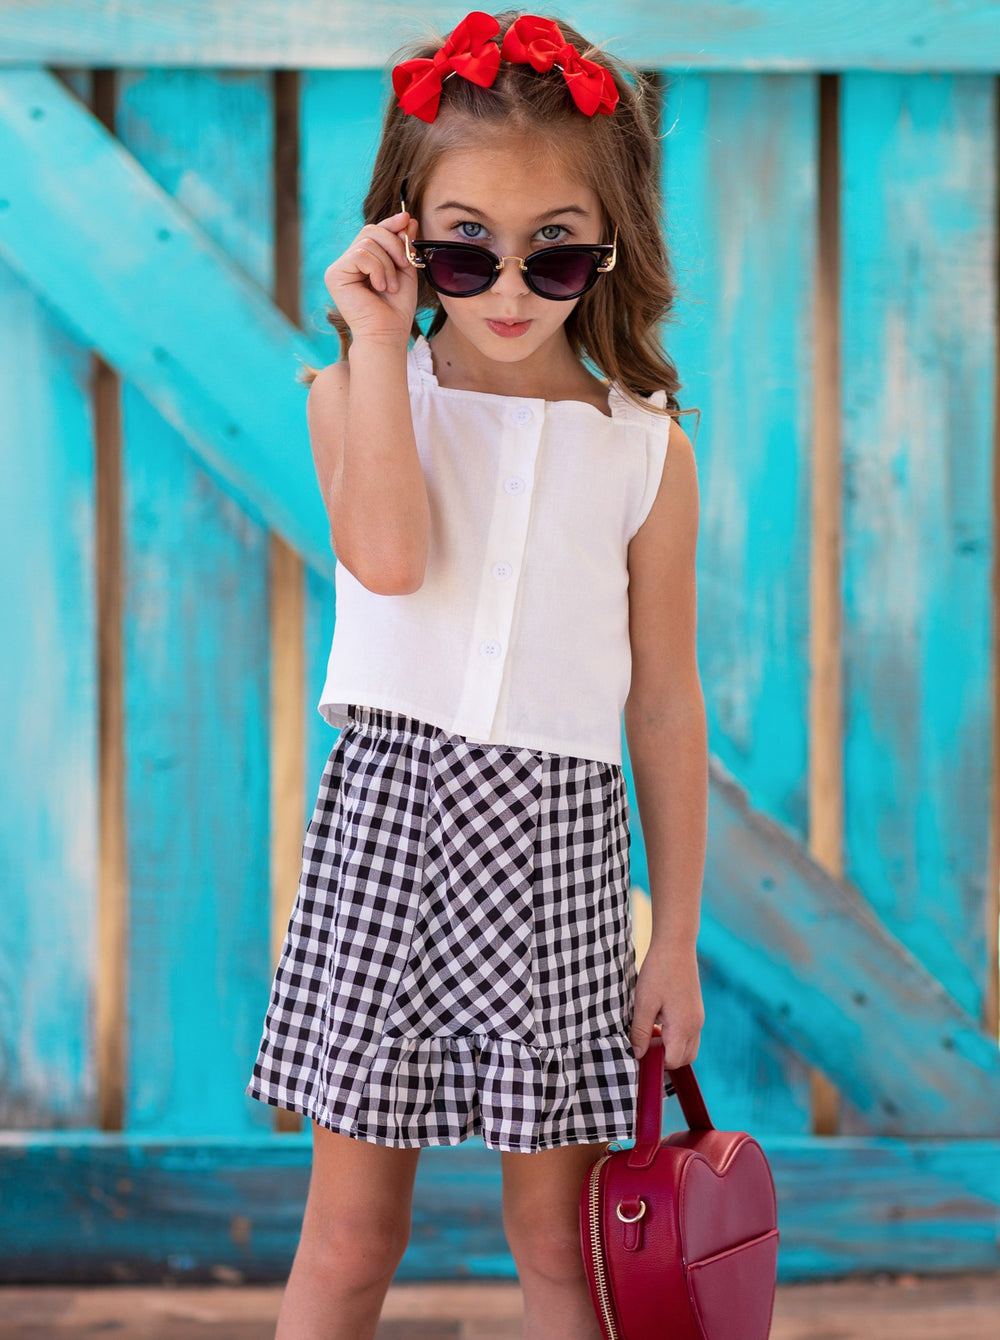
pixel 516 551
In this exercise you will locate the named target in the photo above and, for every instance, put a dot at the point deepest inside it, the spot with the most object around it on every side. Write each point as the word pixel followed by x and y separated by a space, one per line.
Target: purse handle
pixel 649 1103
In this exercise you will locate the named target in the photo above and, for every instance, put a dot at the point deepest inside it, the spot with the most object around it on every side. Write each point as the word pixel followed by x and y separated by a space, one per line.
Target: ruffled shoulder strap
pixel 421 357
pixel 624 408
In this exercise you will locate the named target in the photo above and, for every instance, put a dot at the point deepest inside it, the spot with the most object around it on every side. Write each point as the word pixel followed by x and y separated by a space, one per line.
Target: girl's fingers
pixel 397 221
pixel 378 255
pixel 374 262
pixel 389 233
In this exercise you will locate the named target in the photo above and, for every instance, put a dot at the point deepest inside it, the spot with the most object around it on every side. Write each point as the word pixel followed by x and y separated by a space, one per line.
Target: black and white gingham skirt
pixel 459 959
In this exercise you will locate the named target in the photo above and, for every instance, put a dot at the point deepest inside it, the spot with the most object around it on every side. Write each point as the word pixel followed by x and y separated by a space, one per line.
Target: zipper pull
pixel 630 1211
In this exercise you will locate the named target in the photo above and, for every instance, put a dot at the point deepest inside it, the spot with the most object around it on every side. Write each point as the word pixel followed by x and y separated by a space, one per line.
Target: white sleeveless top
pixel 519 633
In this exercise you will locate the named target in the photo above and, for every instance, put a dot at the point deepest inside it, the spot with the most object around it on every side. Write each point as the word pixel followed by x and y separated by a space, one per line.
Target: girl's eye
pixel 469 223
pixel 478 237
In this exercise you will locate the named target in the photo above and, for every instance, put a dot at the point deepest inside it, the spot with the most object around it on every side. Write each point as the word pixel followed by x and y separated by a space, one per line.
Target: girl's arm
pixel 369 472
pixel 360 422
pixel 668 749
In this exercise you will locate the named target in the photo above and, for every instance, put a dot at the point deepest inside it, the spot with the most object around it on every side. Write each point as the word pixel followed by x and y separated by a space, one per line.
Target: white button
pixel 522 414
pixel 502 570
pixel 515 484
pixel 490 648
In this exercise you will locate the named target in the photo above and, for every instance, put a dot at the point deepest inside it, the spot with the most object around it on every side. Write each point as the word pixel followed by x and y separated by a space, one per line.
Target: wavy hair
pixel 615 324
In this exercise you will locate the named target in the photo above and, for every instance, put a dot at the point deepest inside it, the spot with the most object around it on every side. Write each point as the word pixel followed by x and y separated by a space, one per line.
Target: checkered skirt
pixel 459 958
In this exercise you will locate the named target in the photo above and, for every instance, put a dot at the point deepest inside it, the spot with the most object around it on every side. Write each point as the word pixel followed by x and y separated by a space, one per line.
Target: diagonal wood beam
pixel 130 272
pixel 835 984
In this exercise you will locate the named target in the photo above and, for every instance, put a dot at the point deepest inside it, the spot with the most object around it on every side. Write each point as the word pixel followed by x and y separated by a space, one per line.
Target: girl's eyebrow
pixel 470 209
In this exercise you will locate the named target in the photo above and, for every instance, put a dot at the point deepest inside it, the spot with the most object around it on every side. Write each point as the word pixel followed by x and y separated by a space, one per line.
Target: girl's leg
pixel 355 1229
pixel 541 1220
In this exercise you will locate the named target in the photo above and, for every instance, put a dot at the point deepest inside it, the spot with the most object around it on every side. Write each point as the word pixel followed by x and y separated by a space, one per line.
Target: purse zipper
pixel 611 1330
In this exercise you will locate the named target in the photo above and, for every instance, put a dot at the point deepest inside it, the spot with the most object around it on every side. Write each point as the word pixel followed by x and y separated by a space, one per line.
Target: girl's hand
pixel 373 285
pixel 668 993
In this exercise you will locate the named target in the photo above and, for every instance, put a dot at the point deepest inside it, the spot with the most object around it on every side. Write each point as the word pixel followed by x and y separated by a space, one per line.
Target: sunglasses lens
pixel 457 272
pixel 563 275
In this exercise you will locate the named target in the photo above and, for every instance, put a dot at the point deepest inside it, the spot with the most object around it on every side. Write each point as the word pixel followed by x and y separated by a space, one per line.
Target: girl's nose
pixel 511 278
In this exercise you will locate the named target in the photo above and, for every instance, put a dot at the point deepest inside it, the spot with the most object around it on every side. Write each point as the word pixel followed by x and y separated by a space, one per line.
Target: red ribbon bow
pixel 539 42
pixel 468 51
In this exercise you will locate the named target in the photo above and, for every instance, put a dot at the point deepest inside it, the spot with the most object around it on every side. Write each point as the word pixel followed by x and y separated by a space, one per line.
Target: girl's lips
pixel 508 327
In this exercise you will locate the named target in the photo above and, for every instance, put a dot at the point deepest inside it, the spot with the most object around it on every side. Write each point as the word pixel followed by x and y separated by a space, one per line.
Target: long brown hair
pixel 615 323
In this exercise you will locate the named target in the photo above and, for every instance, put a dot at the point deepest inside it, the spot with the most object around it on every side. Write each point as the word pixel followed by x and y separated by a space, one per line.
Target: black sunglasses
pixel 463 269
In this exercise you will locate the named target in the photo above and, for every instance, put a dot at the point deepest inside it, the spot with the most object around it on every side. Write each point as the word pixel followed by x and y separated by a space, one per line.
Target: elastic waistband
pixel 385 719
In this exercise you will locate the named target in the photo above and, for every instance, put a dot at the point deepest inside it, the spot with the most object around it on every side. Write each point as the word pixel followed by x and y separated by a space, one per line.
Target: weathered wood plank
pixel 836 984
pixel 739 191
pixel 48 679
pixel 135 277
pixel 729 34
pixel 919 351
pixel 197 663
pixel 113 1208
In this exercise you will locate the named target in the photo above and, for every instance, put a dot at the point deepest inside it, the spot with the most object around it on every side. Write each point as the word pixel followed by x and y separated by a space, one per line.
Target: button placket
pixel 503 555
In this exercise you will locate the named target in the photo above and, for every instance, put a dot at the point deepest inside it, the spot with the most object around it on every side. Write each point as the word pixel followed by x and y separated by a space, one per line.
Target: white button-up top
pixel 519 633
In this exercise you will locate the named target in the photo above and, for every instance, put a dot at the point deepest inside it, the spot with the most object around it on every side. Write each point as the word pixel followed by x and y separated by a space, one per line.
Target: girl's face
pixel 502 200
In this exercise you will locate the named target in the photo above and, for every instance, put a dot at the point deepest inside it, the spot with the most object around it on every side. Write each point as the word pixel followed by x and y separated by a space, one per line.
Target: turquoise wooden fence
pixel 173 184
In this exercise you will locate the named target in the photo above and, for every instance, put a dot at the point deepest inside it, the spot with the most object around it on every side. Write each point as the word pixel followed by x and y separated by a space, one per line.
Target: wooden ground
pixel 961 1307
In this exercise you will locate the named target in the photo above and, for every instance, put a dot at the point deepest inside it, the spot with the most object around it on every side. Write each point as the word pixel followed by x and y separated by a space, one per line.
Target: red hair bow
pixel 539 42
pixel 468 51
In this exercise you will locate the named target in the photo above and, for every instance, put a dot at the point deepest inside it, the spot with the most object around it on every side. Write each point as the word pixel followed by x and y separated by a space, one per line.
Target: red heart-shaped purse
pixel 680 1234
